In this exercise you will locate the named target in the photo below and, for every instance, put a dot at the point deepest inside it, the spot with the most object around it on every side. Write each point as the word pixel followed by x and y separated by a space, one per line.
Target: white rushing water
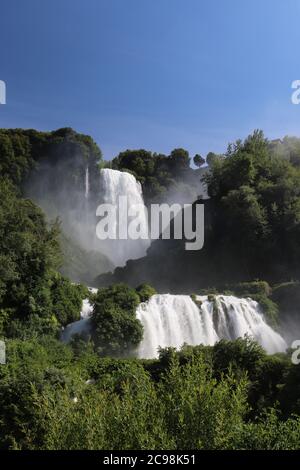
pixel 172 320
pixel 114 184
pixel 79 327
pixel 83 325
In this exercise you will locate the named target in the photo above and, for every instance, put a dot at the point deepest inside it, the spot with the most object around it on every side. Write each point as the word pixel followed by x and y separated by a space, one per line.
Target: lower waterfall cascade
pixel 83 325
pixel 173 320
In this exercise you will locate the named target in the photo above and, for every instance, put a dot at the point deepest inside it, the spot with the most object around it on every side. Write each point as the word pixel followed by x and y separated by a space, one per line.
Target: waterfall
pixel 87 183
pixel 82 326
pixel 172 320
pixel 114 184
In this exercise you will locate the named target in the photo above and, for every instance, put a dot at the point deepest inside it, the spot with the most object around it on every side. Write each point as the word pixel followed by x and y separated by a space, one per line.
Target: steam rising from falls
pixel 114 184
pixel 172 320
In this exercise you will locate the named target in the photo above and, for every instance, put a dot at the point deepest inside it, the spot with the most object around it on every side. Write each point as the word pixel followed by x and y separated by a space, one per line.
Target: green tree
pixel 29 250
pixel 180 159
pixel 116 329
pixel 198 160
pixel 256 208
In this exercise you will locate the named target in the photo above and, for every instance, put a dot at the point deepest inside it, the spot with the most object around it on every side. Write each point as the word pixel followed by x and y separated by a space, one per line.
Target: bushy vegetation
pixel 158 173
pixel 30 289
pixel 145 292
pixel 22 151
pixel 198 398
pixel 256 198
pixel 34 298
pixel 116 330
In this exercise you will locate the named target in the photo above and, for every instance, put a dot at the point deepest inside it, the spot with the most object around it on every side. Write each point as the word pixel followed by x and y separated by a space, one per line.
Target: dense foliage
pixel 30 289
pixel 159 173
pixel 256 197
pixel 22 151
pixel 116 330
pixel 221 397
pixel 34 298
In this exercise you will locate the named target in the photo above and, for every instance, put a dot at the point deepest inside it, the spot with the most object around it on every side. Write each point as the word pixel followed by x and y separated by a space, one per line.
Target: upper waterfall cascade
pixel 113 184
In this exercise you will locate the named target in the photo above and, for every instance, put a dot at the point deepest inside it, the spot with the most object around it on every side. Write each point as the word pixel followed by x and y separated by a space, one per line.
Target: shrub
pixel 247 289
pixel 116 329
pixel 145 291
pixel 67 299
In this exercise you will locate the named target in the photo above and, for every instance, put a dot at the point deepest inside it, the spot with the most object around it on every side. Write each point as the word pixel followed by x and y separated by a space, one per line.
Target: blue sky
pixel 153 74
